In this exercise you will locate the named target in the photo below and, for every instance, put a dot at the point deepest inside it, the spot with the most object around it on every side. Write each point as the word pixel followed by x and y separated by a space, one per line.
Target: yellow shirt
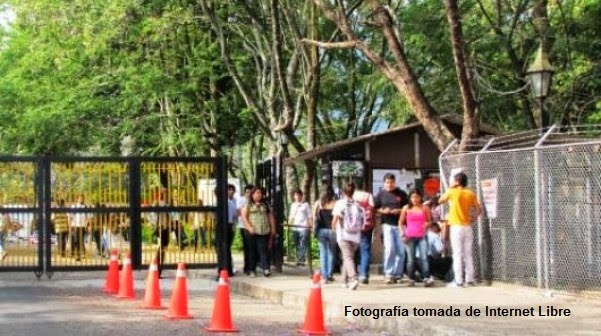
pixel 461 202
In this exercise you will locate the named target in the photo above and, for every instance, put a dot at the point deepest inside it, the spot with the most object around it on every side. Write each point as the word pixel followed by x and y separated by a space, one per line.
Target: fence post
pixel 222 231
pixel 542 263
pixel 484 235
pixel 43 215
pixel 135 227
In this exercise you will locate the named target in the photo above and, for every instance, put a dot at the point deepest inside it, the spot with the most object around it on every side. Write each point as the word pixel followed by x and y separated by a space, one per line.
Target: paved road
pixel 77 307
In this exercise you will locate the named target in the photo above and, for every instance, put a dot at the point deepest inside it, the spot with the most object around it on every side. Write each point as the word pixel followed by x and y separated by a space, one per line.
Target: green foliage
pixel 78 76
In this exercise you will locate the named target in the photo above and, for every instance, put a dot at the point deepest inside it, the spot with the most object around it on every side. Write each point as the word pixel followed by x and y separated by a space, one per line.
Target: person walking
pixel 347 222
pixel 389 203
pixel 322 228
pixel 414 221
pixel 463 209
pixel 366 201
pixel 260 227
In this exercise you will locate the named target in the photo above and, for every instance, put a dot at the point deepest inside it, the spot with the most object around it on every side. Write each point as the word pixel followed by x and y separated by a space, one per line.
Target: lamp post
pixel 539 75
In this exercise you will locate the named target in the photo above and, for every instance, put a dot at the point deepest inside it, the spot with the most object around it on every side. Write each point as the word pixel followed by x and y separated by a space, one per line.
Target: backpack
pixel 368 211
pixel 368 215
pixel 354 218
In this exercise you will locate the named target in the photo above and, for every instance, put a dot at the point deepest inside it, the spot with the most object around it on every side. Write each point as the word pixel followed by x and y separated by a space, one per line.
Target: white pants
pixel 462 241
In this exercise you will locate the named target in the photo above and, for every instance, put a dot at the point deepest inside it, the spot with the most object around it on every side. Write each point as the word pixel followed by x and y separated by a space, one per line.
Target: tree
pixel 396 68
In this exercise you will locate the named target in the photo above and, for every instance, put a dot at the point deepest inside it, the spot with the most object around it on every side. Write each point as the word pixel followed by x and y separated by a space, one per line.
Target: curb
pixel 334 312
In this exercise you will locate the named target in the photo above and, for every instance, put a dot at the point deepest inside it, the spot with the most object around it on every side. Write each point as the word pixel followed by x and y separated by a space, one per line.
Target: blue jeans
pixel 421 244
pixel 365 254
pixel 300 241
pixel 327 250
pixel 2 246
pixel 394 251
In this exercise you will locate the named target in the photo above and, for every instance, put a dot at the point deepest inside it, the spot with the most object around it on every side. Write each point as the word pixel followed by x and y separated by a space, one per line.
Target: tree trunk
pixel 463 79
pixel 399 73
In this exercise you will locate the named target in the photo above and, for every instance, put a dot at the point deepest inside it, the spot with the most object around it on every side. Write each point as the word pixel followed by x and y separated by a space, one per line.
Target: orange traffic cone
pixel 126 285
pixel 222 314
pixel 178 309
pixel 111 285
pixel 314 324
pixel 152 298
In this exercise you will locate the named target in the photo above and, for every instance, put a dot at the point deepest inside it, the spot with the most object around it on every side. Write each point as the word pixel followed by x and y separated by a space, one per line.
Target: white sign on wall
pixel 206 190
pixel 405 179
pixel 490 196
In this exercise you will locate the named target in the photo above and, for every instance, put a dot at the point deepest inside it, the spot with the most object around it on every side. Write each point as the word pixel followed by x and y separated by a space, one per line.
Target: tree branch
pixel 331 45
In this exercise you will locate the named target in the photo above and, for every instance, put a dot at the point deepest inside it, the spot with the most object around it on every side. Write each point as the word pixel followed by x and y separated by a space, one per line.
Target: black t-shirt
pixel 395 199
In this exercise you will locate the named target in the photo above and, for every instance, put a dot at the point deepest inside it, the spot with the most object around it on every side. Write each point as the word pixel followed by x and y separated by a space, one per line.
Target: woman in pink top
pixel 414 221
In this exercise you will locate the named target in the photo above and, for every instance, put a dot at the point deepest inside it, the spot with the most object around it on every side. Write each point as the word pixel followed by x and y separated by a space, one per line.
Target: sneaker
pixel 345 285
pixel 267 273
pixel 389 281
pixel 331 279
pixel 428 282
pixel 454 285
pixel 469 284
pixel 364 281
pixel 411 283
pixel 252 274
pixel 354 284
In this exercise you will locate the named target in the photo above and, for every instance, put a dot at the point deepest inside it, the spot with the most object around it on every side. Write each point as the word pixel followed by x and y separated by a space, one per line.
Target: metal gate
pixel 68 213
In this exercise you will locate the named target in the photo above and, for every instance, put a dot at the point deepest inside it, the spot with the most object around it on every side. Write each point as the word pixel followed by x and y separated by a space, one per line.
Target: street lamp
pixel 539 74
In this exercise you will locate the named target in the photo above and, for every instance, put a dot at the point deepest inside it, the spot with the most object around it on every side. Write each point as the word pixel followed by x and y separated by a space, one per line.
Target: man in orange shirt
pixel 463 208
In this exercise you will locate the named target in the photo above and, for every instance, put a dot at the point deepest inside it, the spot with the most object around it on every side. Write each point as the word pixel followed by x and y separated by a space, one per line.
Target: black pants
pixel 163 235
pixel 62 242
pixel 78 247
pixel 440 267
pixel 259 244
pixel 246 249
pixel 224 257
pixel 96 237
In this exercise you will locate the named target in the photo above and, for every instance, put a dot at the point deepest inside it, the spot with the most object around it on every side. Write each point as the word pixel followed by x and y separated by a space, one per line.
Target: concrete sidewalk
pixel 292 287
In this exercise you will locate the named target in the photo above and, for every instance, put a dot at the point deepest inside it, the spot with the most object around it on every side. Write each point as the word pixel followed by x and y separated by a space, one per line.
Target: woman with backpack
pixel 324 234
pixel 414 221
pixel 348 222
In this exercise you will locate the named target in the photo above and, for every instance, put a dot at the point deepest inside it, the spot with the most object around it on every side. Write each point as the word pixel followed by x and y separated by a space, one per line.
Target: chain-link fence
pixel 542 197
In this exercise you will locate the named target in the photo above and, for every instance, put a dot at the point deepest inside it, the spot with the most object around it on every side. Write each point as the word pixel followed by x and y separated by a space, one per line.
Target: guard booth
pixel 405 151
pixel 68 213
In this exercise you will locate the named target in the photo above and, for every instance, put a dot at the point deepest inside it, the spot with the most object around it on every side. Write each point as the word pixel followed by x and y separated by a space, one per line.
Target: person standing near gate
pixel 389 203
pixel 61 225
pixel 78 223
pixel 300 218
pixel 232 219
pixel 463 208
pixel 162 230
pixel 242 202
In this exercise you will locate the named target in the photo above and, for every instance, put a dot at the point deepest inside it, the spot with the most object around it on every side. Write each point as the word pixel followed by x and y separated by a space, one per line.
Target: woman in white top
pixel 300 219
